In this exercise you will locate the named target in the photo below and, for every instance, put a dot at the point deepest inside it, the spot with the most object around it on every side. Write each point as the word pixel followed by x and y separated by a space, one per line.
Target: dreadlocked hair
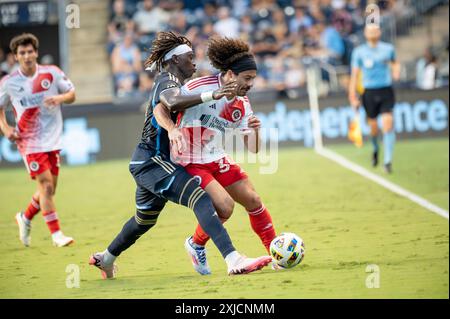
pixel 223 52
pixel 164 42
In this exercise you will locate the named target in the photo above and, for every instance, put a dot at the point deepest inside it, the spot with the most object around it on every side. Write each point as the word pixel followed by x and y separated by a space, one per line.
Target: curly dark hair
pixel 223 52
pixel 164 42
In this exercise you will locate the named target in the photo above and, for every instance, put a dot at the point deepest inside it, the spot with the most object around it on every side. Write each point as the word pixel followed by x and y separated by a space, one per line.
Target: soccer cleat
pixel 247 265
pixel 24 229
pixel 60 240
pixel 374 159
pixel 197 254
pixel 276 267
pixel 107 271
pixel 388 168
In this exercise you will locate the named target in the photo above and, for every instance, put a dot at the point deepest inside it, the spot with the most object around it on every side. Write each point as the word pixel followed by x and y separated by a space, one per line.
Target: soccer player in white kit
pixel 36 93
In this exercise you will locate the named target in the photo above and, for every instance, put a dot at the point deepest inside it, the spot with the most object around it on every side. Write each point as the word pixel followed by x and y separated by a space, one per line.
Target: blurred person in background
pixel 246 27
pixel 226 25
pixel 178 23
pixel 300 22
pixel 265 43
pixel 10 64
pixel 126 65
pixel 427 71
pixel 150 19
pixel 2 59
pixel 203 66
pixel 341 20
pixel 280 29
pixel 119 23
pixel 295 75
pixel 2 55
pixel 331 41
pixel 47 59
pixel 145 83
pixel 378 63
pixel 277 74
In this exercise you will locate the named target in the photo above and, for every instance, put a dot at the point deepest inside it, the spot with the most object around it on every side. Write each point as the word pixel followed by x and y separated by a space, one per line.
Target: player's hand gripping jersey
pixel 39 127
pixel 204 126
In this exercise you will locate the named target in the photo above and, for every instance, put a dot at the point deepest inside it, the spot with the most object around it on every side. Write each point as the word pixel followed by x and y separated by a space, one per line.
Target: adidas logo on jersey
pixel 213 106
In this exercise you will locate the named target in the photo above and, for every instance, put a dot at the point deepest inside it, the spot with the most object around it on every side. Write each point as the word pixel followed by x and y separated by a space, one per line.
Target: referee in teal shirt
pixel 377 62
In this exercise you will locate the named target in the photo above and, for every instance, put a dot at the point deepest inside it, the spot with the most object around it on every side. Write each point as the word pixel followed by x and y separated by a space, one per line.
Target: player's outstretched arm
pixel 175 101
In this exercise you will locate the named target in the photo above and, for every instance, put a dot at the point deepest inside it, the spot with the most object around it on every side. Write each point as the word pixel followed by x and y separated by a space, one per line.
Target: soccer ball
pixel 287 250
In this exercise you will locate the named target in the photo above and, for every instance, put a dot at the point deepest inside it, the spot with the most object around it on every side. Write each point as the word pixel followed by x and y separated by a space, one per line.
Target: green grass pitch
pixel 346 221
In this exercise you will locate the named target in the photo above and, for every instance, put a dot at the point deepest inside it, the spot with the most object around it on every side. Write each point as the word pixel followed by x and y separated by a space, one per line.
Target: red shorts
pixel 224 171
pixel 37 163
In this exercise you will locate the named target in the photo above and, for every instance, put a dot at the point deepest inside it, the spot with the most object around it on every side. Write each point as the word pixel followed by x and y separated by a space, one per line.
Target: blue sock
pixel 374 140
pixel 388 141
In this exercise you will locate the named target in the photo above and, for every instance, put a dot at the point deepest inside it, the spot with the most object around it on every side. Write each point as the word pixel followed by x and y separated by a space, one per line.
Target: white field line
pixel 382 181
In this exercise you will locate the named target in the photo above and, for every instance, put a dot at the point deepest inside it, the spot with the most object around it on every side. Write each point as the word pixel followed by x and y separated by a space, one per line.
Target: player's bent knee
pixel 225 208
pixel 253 202
pixel 47 188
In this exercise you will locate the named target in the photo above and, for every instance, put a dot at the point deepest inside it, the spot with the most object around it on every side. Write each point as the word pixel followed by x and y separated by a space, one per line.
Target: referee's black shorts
pixel 377 101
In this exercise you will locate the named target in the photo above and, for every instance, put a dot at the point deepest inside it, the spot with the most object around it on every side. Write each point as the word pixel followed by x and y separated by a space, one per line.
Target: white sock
pixel 26 220
pixel 108 258
pixel 232 258
pixel 56 233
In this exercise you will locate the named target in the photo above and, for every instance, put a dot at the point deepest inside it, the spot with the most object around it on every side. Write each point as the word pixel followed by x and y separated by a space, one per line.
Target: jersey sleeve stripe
pixel 190 85
pixel 203 79
pixel 202 84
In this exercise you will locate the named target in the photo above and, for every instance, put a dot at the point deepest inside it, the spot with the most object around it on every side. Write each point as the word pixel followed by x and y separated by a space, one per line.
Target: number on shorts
pixel 223 166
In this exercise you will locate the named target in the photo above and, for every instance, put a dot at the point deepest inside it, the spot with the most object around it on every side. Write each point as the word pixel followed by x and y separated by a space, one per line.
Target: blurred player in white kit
pixel 36 93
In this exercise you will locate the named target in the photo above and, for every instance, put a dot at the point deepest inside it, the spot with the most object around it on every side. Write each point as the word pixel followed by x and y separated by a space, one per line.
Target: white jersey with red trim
pixel 39 127
pixel 205 125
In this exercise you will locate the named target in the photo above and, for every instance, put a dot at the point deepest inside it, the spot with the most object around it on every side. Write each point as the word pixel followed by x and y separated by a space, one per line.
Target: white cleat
pixel 107 271
pixel 275 266
pixel 60 240
pixel 197 254
pixel 247 265
pixel 24 229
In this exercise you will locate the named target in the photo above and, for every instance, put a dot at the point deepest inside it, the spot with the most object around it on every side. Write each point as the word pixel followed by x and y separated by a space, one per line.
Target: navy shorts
pixel 158 180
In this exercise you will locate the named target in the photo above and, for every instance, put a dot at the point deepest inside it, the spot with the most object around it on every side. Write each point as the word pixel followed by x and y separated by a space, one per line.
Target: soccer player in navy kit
pixel 377 62
pixel 157 178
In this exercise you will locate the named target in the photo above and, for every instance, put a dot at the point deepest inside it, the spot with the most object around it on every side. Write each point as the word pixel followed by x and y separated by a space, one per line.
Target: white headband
pixel 181 49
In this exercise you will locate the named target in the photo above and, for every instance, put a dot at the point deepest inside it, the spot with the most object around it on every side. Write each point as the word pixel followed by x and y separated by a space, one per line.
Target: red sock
pixel 261 222
pixel 200 237
pixel 51 218
pixel 32 209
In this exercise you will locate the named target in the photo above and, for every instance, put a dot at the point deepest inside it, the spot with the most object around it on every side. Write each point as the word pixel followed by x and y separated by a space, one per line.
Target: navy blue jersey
pixel 155 137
